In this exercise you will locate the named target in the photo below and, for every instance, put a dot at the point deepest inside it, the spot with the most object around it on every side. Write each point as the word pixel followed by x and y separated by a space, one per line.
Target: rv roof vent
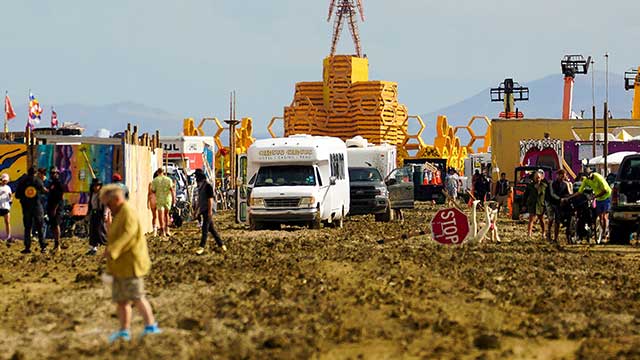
pixel 357 142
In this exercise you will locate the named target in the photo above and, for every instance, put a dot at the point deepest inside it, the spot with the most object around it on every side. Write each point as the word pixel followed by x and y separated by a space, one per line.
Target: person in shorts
pixel 5 205
pixel 54 205
pixel 165 192
pixel 128 261
pixel 502 192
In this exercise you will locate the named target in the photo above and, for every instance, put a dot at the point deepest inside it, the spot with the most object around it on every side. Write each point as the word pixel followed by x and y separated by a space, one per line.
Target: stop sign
pixel 450 226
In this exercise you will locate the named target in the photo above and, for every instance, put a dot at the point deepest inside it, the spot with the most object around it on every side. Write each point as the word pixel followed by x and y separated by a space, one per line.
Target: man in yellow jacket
pixel 127 261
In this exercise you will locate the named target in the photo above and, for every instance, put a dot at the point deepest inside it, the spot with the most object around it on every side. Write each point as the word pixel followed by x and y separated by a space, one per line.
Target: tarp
pixel 612 159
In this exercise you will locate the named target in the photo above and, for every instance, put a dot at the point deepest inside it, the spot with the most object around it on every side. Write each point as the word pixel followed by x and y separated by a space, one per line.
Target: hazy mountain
pixel 113 117
pixel 545 101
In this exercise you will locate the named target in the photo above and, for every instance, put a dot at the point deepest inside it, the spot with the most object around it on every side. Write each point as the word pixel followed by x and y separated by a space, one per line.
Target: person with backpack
pixel 29 191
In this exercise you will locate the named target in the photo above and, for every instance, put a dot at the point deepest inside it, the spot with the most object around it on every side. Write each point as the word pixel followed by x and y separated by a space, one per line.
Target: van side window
pixel 337 166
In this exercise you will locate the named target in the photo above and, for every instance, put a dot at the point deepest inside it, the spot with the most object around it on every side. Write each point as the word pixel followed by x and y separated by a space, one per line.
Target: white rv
pixel 363 154
pixel 300 179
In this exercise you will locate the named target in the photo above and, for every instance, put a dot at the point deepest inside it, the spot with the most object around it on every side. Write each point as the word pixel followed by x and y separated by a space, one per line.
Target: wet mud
pixel 363 291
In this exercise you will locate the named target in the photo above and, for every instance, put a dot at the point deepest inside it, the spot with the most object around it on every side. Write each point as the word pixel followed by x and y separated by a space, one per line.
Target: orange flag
pixel 9 113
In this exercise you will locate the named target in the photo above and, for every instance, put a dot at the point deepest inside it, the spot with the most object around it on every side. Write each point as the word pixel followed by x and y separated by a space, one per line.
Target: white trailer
pixel 476 162
pixel 363 154
pixel 300 179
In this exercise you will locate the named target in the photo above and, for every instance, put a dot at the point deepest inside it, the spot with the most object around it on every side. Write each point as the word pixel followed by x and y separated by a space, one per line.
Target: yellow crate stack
pixel 346 104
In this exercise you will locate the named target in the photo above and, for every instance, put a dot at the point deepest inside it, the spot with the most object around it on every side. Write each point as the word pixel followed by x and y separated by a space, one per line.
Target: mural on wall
pixel 13 161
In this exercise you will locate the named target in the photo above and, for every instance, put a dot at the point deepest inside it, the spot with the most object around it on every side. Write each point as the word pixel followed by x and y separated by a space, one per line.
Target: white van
pixel 300 179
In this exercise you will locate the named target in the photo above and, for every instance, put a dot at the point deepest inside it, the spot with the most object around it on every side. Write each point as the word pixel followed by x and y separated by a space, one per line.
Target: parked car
pixel 624 218
pixel 371 195
pixel 522 177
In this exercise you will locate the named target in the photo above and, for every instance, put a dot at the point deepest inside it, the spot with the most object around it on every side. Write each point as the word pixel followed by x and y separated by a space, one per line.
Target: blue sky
pixel 185 56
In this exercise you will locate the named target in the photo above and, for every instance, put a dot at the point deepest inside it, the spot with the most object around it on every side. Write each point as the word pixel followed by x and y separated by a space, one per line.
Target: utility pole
pixel 593 107
pixel 232 122
pixel 605 150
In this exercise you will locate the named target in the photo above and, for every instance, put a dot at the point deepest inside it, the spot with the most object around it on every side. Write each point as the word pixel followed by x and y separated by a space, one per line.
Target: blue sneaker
pixel 151 329
pixel 122 334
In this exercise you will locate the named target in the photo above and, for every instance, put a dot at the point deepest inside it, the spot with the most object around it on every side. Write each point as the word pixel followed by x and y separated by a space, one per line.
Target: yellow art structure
pixel 473 137
pixel 244 136
pixel 447 144
pixel 346 104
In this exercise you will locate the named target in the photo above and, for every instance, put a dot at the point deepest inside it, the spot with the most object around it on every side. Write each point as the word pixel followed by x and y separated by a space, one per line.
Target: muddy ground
pixel 334 294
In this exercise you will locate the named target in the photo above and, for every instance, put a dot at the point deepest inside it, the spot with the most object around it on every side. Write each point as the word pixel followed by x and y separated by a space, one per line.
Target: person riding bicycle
pixel 602 192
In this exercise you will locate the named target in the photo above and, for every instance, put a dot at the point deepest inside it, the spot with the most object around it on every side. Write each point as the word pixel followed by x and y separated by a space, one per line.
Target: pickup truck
pixel 624 219
pixel 370 194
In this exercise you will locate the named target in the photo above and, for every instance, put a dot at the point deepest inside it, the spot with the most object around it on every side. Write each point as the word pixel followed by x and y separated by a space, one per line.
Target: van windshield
pixel 364 174
pixel 290 175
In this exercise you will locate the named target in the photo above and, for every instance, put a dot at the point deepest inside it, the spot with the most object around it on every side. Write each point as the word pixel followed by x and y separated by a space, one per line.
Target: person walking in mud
pixel 205 209
pixel 502 192
pixel 54 205
pixel 98 216
pixel 29 191
pixel 164 189
pixel 153 205
pixel 560 189
pixel 5 206
pixel 535 196
pixel 128 262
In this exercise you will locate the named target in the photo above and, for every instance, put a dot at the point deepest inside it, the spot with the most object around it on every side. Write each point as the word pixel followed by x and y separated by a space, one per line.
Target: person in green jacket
pixel 127 261
pixel 535 195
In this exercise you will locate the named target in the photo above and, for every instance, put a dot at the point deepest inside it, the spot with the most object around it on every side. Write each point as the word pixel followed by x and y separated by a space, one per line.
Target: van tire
pixel 316 224
pixel 254 225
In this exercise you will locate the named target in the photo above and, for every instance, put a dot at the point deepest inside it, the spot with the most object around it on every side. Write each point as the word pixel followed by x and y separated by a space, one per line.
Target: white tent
pixel 612 159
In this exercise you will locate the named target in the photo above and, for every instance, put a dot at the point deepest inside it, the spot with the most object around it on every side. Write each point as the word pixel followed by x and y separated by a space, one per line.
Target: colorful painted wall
pixel 76 163
pixel 506 135
pixel 14 161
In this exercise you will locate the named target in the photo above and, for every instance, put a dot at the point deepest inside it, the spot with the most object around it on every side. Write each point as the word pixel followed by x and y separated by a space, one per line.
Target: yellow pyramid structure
pixel 346 103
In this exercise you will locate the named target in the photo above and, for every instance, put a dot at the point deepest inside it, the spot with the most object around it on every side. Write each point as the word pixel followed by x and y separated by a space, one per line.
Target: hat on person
pixel 541 172
pixel 4 177
pixel 96 181
pixel 116 177
pixel 54 170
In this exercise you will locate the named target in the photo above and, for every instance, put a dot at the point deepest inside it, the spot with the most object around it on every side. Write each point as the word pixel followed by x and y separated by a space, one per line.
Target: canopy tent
pixel 612 159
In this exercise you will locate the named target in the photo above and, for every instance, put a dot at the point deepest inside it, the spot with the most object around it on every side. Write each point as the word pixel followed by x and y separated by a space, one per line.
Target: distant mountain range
pixel 545 101
pixel 113 117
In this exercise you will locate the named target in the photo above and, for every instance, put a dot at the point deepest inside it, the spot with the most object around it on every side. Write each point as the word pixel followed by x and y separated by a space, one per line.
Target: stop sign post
pixel 450 226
